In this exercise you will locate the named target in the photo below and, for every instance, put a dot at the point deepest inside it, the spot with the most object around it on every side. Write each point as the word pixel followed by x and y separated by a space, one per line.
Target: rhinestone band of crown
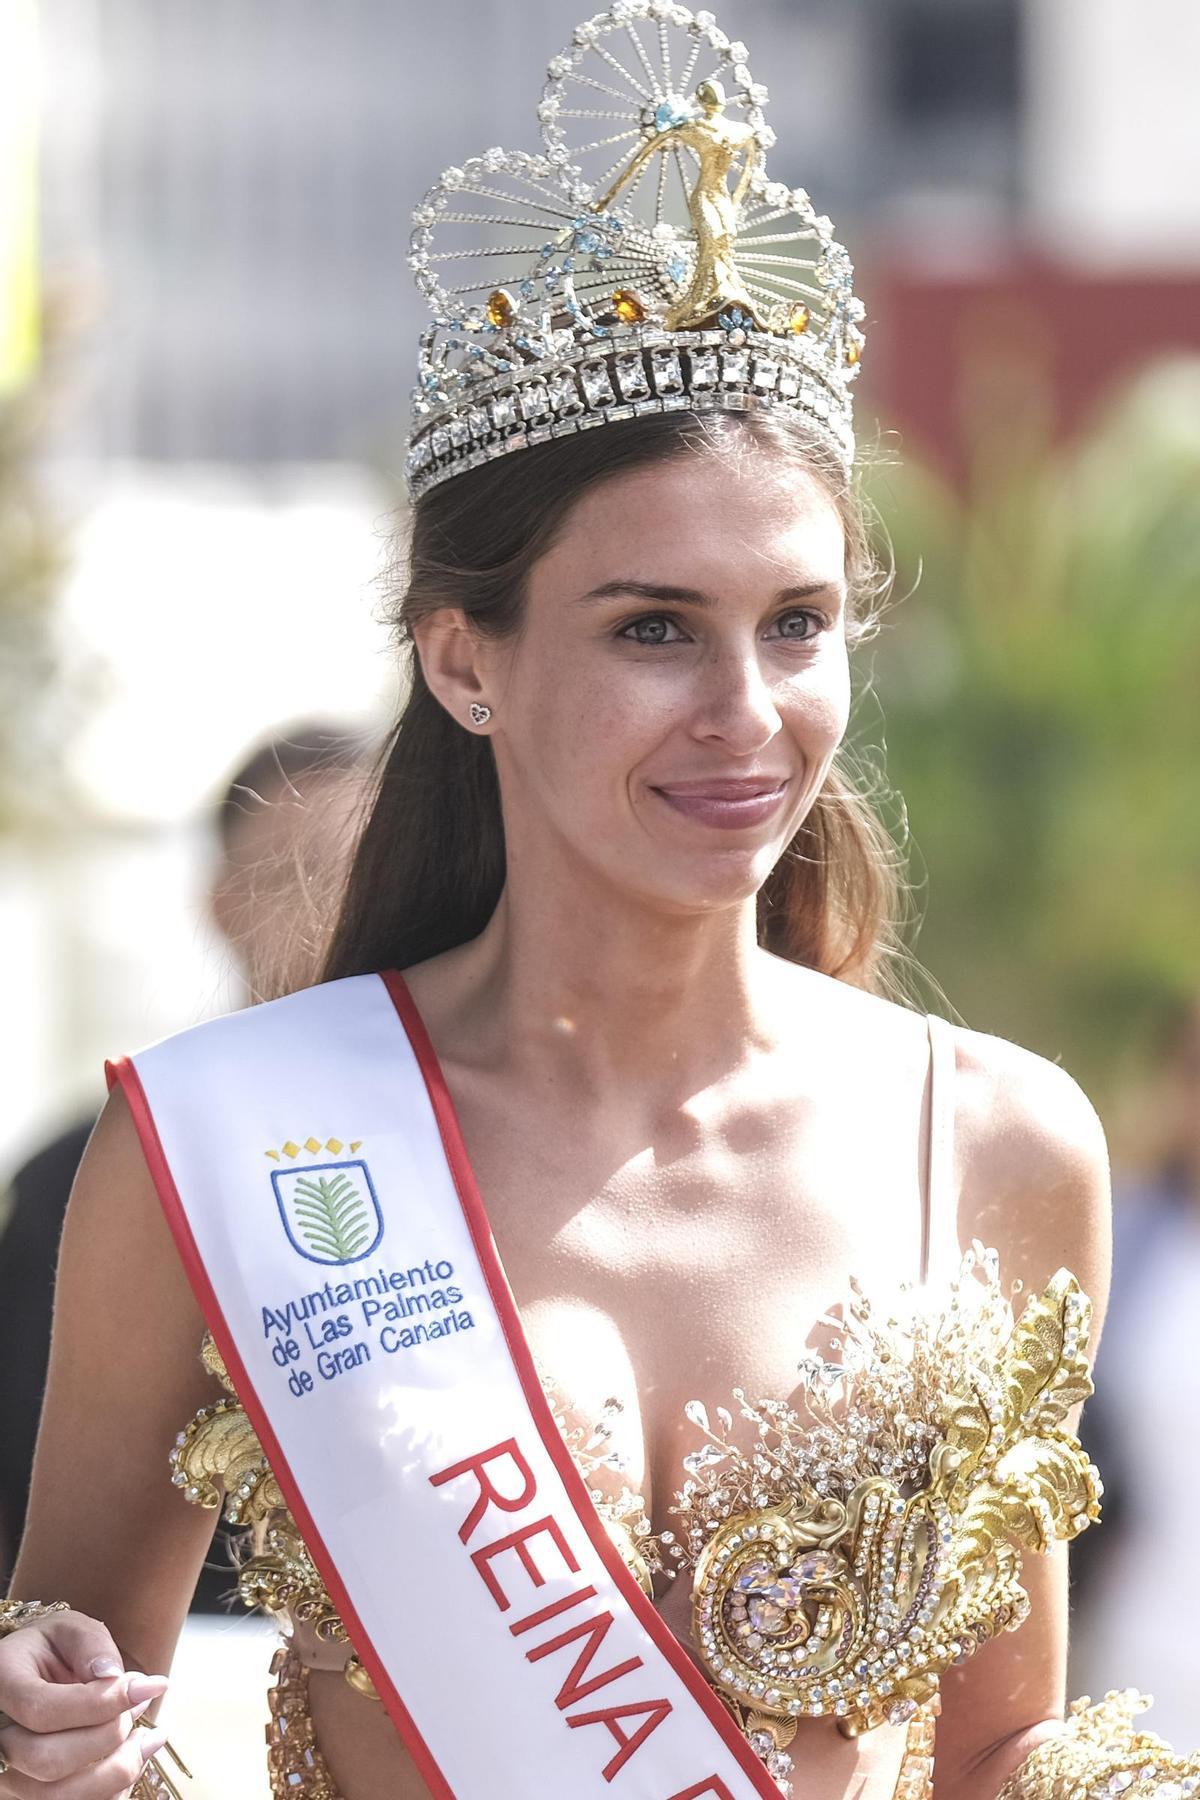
pixel 641 284
pixel 650 371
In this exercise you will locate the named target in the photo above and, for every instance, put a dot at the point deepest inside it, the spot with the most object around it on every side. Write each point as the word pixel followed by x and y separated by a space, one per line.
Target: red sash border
pixel 122 1072
pixel 500 1290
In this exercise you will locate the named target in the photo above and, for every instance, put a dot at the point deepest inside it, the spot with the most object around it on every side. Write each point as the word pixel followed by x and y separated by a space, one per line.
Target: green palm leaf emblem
pixel 332 1216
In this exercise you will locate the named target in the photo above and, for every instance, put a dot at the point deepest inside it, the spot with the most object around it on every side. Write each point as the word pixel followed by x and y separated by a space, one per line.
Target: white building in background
pixel 1113 132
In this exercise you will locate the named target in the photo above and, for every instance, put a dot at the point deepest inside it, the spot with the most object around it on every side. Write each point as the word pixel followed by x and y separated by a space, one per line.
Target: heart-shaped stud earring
pixel 480 714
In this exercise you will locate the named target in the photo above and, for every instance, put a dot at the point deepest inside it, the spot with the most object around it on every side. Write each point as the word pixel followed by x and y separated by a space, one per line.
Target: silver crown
pixel 618 273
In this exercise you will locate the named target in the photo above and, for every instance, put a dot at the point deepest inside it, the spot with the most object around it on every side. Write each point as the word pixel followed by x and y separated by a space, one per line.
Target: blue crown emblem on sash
pixel 330 1210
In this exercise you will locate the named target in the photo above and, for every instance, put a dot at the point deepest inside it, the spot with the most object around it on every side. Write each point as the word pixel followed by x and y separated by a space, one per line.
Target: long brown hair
pixel 431 861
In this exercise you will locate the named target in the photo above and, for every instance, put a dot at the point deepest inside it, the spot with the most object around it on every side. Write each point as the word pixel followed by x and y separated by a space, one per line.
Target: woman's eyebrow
pixel 655 590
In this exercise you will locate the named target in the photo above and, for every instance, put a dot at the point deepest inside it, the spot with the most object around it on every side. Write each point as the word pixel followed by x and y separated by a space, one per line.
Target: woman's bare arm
pixel 1035 1183
pixel 106 1530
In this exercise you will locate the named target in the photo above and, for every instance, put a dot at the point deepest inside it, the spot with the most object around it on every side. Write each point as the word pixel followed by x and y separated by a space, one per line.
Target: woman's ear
pixel 452 661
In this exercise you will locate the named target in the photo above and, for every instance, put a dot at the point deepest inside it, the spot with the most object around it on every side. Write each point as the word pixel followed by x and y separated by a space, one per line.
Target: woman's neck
pixel 602 997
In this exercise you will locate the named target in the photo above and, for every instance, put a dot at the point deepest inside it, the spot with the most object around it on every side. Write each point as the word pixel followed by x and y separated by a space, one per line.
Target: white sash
pixel 309 1163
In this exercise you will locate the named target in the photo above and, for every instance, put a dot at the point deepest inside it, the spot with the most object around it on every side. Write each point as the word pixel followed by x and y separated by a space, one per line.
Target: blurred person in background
pixel 286 829
pixel 284 833
pixel 1136 1424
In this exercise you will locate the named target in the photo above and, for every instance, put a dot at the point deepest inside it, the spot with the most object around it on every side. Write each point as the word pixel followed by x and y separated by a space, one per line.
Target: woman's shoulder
pixel 1025 1113
pixel 1018 1115
pixel 1030 1152
pixel 1032 1162
pixel 114 1203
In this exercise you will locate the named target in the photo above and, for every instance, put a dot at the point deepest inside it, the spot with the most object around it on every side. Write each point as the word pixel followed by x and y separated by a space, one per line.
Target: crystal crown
pixel 617 272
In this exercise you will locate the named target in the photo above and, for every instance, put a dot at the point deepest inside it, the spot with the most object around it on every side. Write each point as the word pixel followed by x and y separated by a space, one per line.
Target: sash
pixel 315 1180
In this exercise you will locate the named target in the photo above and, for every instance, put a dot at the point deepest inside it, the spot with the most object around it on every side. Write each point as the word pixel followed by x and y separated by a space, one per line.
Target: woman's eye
pixel 659 628
pixel 792 624
pixel 653 628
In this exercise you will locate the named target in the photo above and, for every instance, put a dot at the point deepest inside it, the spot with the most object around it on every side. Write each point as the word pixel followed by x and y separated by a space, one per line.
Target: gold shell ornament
pixel 218 1456
pixel 824 1585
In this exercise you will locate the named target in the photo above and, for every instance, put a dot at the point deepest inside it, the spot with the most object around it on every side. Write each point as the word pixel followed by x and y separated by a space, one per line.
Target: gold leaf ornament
pixel 1046 1370
pixel 218 1456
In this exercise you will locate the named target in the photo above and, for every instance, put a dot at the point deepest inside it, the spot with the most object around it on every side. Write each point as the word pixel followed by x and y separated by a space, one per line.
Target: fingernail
pixel 104 1666
pixel 145 1687
pixel 140 1709
pixel 153 1744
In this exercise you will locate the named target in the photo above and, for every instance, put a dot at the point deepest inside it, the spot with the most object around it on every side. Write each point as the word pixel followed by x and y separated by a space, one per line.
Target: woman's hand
pixel 68 1711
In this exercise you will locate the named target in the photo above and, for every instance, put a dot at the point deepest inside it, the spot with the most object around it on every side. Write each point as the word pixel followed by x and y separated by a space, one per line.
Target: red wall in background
pixel 1026 343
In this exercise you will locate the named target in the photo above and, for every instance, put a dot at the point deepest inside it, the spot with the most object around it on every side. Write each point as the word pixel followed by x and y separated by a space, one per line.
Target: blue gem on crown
pixel 672 111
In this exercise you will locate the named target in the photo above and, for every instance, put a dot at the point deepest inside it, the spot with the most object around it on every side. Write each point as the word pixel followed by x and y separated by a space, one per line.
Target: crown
pixel 643 262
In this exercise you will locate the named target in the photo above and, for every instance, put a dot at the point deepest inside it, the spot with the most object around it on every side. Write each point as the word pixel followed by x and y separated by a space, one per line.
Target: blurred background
pixel 207 338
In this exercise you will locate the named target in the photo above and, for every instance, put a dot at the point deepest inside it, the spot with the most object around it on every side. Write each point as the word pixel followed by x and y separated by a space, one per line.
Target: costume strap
pixel 939 1237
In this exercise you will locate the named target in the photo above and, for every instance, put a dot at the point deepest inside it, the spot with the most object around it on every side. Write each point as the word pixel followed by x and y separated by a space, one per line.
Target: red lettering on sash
pixel 595 1631
pixel 655 1712
pixel 475 1465
pixel 518 1541
pixel 552 1611
pixel 714 1785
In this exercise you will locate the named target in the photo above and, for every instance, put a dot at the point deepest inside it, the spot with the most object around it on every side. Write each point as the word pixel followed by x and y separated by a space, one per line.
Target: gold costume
pixel 840 1558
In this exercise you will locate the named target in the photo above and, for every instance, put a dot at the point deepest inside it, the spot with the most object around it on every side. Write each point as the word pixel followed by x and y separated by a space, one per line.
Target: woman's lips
pixel 729 805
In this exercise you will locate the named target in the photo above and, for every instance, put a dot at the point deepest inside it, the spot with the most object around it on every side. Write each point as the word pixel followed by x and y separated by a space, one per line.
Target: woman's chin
pixel 723 882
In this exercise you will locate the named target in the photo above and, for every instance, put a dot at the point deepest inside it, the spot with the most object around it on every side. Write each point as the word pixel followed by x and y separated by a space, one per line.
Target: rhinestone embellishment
pixel 554 277
pixel 839 1568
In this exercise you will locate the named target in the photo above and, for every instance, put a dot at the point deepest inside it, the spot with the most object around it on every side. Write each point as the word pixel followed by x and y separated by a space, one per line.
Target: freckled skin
pixel 589 724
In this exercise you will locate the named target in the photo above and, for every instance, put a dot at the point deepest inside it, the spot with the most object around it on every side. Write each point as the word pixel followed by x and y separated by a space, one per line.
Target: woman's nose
pixel 738 703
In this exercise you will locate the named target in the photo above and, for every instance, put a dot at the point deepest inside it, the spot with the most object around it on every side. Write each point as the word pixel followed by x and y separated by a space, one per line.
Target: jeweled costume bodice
pixel 840 1560
pixel 842 1549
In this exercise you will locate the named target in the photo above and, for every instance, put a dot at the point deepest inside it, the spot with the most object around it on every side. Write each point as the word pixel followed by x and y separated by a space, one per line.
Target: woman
pixel 644 923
